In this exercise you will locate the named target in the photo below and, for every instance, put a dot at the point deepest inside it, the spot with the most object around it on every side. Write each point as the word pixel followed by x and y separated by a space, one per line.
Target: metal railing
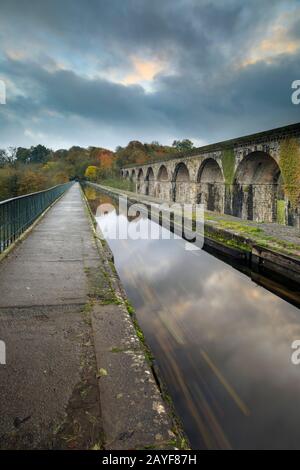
pixel 18 213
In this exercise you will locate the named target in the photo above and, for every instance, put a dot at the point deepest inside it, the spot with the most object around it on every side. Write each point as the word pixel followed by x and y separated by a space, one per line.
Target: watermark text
pixel 135 222
pixel 295 358
pixel 296 93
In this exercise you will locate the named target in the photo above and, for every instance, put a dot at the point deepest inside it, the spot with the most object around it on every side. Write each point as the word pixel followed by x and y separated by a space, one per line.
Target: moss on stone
pixel 228 163
pixel 280 212
pixel 289 162
pixel 230 242
pixel 252 235
pixel 129 307
pixel 241 228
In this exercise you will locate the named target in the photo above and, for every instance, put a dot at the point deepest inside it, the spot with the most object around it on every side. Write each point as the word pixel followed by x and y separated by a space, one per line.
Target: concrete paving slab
pixel 113 329
pixel 28 283
pixel 43 367
pixel 133 413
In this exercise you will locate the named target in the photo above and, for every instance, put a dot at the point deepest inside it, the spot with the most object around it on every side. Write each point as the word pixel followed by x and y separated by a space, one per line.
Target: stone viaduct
pixel 255 177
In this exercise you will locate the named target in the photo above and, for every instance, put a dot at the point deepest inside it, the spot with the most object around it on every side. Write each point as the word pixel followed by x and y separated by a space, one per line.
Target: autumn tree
pixel 92 173
pixel 56 172
pixel 8 183
pixel 107 162
pixel 31 181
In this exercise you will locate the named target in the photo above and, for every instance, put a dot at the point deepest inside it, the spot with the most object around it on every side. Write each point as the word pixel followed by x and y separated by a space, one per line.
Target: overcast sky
pixel 103 72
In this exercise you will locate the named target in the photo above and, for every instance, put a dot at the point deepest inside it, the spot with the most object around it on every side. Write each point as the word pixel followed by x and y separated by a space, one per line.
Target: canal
pixel 221 341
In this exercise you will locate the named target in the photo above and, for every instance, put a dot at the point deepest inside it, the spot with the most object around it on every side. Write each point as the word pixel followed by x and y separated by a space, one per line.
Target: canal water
pixel 222 342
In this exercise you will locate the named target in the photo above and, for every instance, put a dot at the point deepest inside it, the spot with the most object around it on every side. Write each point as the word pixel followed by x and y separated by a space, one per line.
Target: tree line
pixel 26 170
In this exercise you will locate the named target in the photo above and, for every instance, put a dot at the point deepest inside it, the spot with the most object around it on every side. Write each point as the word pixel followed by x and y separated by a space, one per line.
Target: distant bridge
pixel 242 177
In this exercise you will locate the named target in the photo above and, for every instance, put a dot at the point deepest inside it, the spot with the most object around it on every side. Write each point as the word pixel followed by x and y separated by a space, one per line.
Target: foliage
pixel 183 145
pixel 105 159
pixel 289 163
pixel 38 154
pixel 31 181
pixel 25 170
pixel 8 183
pixel 92 173
pixel 8 156
pixel 3 158
pixel 139 153
pixel 56 172
pixel 281 212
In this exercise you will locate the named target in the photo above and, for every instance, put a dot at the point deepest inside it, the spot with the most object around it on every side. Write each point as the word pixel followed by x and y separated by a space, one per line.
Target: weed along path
pixel 222 342
pixel 76 376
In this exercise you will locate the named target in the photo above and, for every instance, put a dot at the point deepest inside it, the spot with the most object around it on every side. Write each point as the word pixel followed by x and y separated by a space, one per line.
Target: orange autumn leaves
pixel 105 165
pixel 106 160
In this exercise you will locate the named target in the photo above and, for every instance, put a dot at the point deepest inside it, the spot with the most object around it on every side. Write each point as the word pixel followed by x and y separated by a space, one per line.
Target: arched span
pixel 126 175
pixel 257 188
pixel 162 174
pixel 162 188
pixel 181 183
pixel 210 186
pixel 149 182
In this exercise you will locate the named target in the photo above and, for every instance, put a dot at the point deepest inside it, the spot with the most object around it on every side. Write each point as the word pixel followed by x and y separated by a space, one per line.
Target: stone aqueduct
pixel 240 177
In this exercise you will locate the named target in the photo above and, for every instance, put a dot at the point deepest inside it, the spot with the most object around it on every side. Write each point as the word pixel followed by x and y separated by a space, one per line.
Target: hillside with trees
pixel 26 170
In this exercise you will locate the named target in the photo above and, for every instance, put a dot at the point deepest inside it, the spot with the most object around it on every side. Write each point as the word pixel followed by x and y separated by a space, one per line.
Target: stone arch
pixel 211 186
pixel 149 182
pixel 181 183
pixel 162 173
pixel 257 188
pixel 126 174
pixel 162 188
pixel 140 181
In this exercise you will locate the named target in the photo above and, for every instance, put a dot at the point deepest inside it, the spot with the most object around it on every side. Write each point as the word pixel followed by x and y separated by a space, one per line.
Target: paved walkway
pixel 57 341
pixel 43 290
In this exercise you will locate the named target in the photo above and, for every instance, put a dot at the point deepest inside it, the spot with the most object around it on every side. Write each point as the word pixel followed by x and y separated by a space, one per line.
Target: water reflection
pixel 222 342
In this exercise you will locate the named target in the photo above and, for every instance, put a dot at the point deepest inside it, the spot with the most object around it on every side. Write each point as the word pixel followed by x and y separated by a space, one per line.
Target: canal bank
pixel 269 248
pixel 77 374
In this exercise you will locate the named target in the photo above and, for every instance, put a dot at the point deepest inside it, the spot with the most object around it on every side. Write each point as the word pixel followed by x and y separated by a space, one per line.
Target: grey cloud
pixel 200 30
pixel 204 95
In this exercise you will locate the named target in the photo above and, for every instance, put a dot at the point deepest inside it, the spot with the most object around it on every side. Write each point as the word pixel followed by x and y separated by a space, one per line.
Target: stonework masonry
pixel 240 177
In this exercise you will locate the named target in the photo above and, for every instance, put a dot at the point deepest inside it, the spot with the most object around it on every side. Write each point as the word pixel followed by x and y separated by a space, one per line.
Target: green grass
pixel 239 227
pixel 256 234
pixel 118 183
